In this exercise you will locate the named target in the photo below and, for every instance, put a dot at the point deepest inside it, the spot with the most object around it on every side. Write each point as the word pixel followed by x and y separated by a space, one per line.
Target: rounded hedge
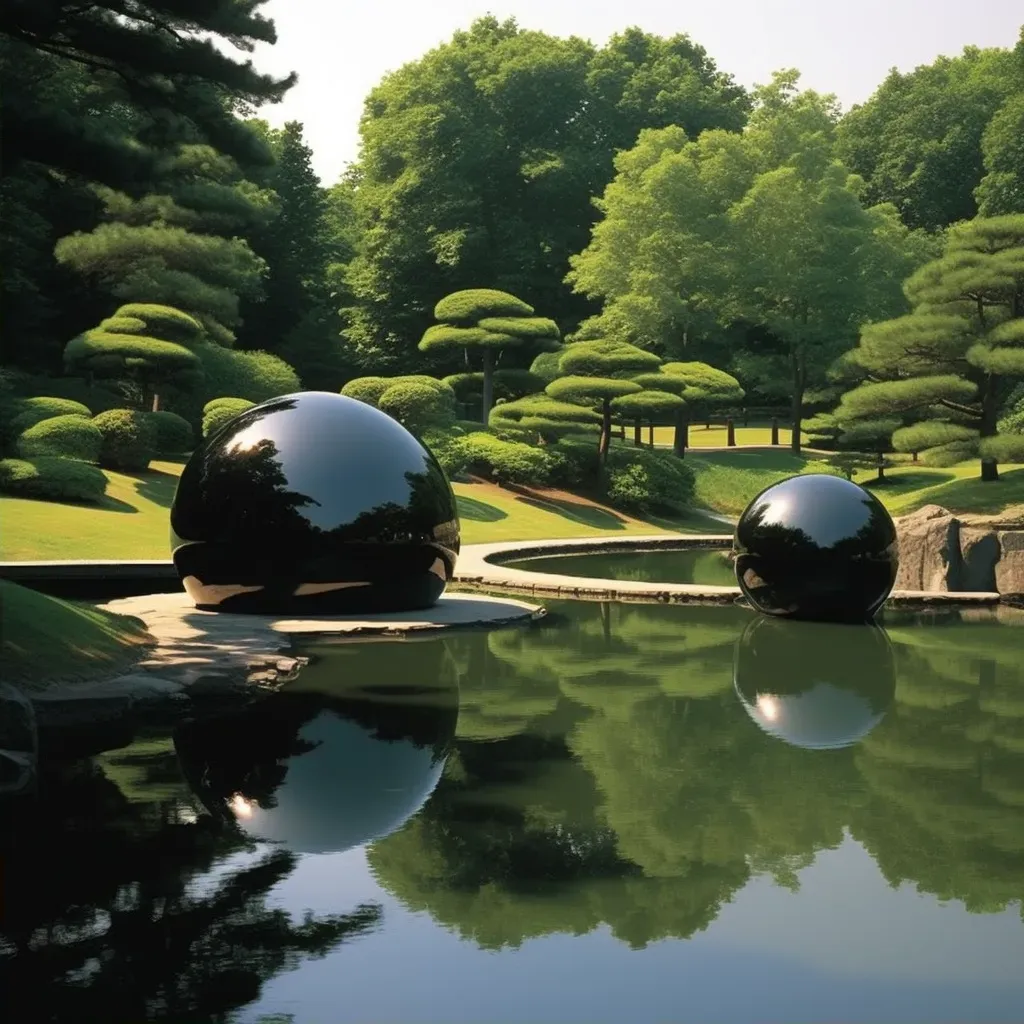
pixel 221 411
pixel 418 406
pixel 52 479
pixel 129 440
pixel 65 437
pixel 173 432
pixel 503 461
pixel 31 411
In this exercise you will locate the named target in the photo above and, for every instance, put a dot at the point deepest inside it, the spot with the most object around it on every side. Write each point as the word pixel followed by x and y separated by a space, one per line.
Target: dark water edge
pixel 623 812
pixel 701 566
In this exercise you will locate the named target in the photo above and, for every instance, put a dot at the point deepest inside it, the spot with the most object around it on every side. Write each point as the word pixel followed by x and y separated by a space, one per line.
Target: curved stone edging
pixel 481 566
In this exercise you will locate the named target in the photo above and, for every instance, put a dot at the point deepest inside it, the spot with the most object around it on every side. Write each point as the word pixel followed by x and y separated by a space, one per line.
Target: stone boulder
pixel 943 552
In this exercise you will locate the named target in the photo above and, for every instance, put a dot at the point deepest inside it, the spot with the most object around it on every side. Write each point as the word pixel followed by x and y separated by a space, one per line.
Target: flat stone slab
pixel 481 566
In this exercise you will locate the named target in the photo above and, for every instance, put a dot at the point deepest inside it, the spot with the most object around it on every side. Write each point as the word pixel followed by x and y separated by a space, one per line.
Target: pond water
pixel 624 812
pixel 705 566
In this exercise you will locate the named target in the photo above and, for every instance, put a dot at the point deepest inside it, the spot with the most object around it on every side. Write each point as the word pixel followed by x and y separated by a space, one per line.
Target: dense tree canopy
pixel 479 162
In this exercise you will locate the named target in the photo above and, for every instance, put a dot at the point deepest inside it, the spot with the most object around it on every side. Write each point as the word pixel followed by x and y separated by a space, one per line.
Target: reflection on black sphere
pixel 814 684
pixel 314 503
pixel 317 773
pixel 816 547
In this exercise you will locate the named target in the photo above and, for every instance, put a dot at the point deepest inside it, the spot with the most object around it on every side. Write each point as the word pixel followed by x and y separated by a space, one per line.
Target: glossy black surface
pixel 795 688
pixel 816 547
pixel 316 773
pixel 314 503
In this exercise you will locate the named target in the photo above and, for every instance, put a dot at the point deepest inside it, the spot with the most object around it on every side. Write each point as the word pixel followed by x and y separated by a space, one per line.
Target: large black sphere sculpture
pixel 816 547
pixel 314 503
pixel 319 773
pixel 814 684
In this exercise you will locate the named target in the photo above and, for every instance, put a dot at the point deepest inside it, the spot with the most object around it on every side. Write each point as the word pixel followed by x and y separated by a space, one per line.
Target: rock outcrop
pixel 944 552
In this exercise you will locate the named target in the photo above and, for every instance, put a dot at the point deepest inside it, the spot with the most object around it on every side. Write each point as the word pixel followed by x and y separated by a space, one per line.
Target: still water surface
pixel 625 813
pixel 705 566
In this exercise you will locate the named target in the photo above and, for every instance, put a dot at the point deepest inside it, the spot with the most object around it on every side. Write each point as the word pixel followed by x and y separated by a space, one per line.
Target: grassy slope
pixel 132 522
pixel 46 638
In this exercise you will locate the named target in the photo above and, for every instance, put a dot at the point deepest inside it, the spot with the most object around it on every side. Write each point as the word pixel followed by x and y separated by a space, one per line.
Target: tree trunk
pixel 796 409
pixel 650 433
pixel 775 430
pixel 638 439
pixel 156 402
pixel 488 383
pixel 988 425
pixel 682 438
pixel 730 433
pixel 606 432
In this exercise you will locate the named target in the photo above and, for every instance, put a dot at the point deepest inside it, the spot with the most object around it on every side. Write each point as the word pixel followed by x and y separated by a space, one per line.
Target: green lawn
pixel 132 522
pixel 46 638
pixel 717 437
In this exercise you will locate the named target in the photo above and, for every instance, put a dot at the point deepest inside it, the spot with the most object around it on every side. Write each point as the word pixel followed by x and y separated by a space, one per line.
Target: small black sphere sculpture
pixel 319 773
pixel 814 684
pixel 314 503
pixel 816 547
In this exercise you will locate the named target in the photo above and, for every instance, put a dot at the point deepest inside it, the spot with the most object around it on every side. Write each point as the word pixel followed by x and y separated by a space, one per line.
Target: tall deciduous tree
pixel 952 361
pixel 918 141
pixel 487 321
pixel 479 162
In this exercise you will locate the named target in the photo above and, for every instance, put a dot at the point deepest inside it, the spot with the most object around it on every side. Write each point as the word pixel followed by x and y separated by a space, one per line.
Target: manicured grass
pixel 132 522
pixel 958 488
pixel 726 481
pixel 46 638
pixel 717 436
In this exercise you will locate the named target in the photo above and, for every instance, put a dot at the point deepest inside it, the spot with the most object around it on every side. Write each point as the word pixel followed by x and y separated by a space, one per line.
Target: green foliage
pixel 446 446
pixel 95 397
pixel 543 416
pixel 630 488
pixel 367 389
pixel 667 480
pixel 418 405
pixel 449 336
pixel 52 479
pixel 30 411
pixel 545 366
pixel 70 437
pixel 473 304
pixel 590 390
pixel 513 199
pixel 174 434
pixel 1002 189
pixel 1013 421
pixel 221 411
pixel 648 405
pixel 606 359
pixel 164 322
pixel 918 142
pixel 129 440
pixel 955 358
pixel 505 462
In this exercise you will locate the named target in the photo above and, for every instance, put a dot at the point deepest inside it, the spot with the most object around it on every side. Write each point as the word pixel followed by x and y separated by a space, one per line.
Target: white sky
pixel 342 50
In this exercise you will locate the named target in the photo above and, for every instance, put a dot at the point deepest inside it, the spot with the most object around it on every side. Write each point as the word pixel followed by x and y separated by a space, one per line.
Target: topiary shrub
pixel 630 488
pixel 668 480
pixel 418 405
pixel 95 397
pixel 34 410
pixel 222 411
pixel 367 389
pixel 574 464
pixel 503 461
pixel 447 447
pixel 51 479
pixel 64 437
pixel 129 440
pixel 174 433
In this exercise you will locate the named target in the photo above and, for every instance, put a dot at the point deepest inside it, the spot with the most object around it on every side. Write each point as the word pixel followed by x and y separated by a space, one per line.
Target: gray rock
pixel 1009 570
pixel 930 557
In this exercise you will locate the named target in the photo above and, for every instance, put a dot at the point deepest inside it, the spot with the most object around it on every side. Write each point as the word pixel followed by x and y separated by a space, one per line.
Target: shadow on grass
pixel 904 482
pixel 478 511
pixel 763 460
pixel 577 512
pixel 982 497
pixel 157 486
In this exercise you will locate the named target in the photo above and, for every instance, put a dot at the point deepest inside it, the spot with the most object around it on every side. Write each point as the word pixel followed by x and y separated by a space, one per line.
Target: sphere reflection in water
pixel 814 684
pixel 314 503
pixel 318 773
pixel 816 547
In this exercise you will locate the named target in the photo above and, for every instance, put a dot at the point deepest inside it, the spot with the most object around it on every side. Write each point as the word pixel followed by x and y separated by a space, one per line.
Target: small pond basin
pixel 621 812
pixel 701 566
